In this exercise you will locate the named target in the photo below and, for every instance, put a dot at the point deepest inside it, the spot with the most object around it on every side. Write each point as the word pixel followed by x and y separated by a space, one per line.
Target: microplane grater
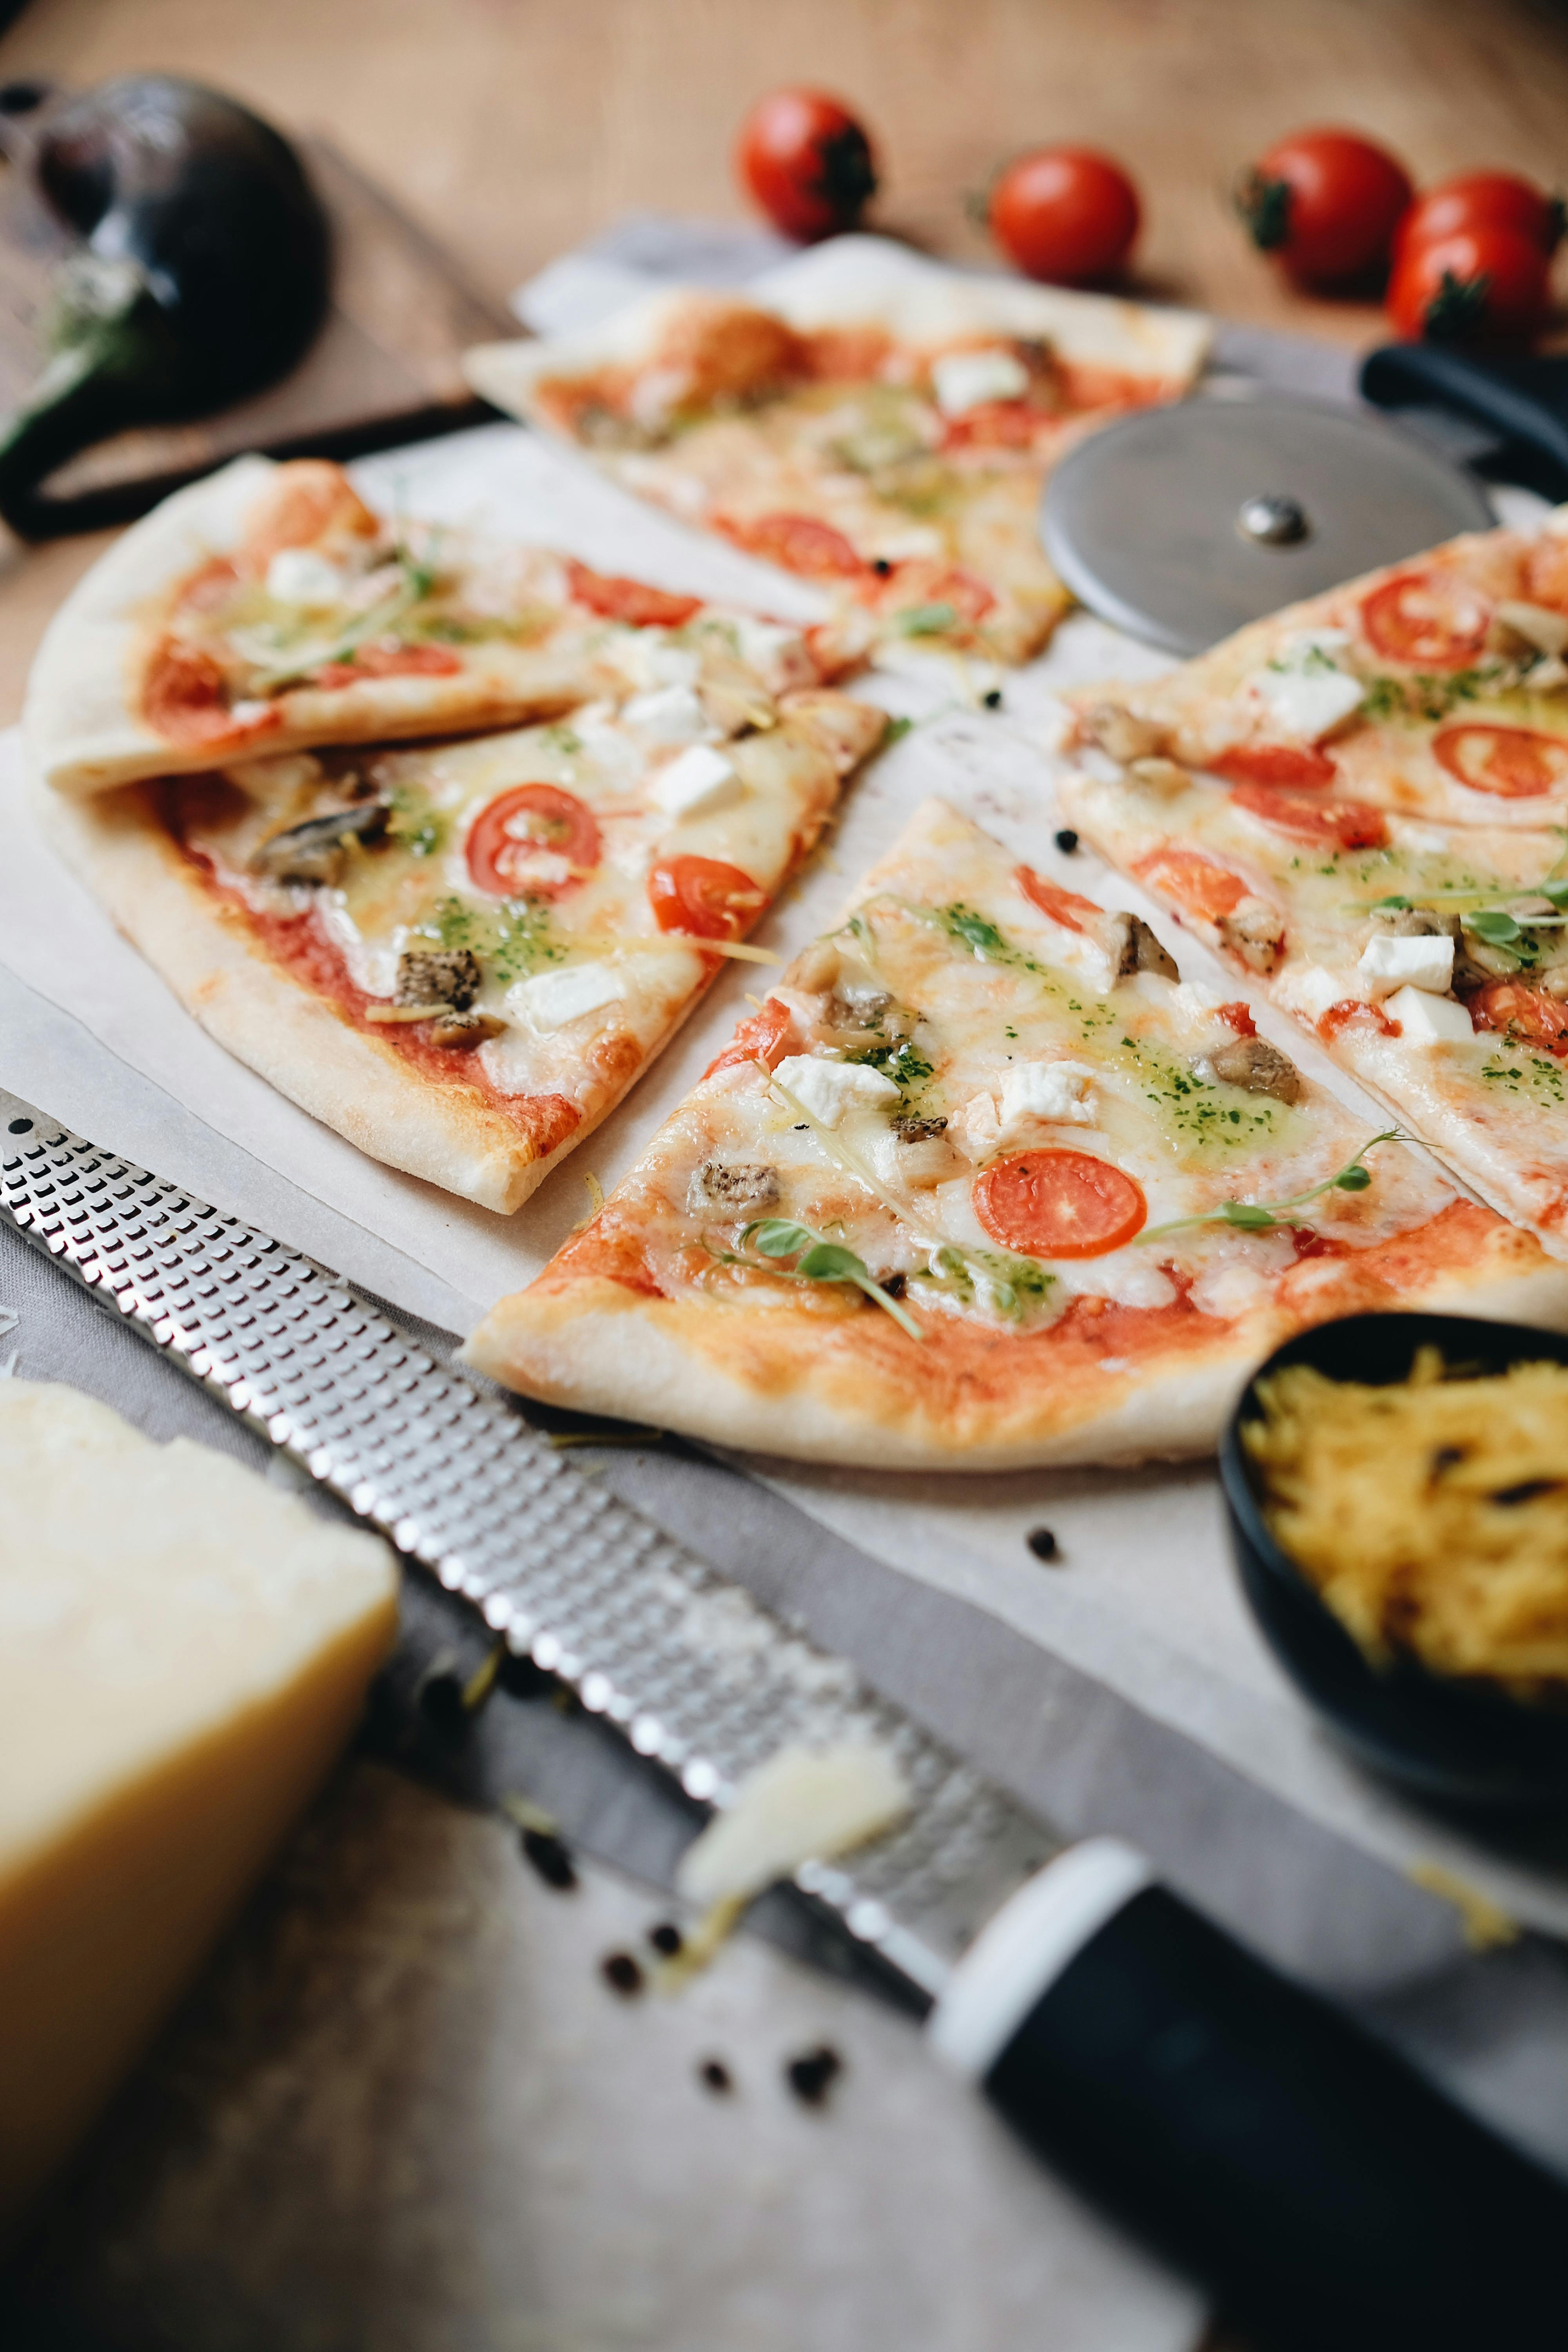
pixel 696 1674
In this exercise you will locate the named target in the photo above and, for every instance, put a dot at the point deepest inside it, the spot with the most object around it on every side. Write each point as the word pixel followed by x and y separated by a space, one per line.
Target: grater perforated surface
pixel 697 1676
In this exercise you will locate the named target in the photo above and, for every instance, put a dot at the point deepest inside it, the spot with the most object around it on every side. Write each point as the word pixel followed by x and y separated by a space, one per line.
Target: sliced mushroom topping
pixel 1416 923
pixel 1159 775
pixel 816 968
pixel 437 976
pixel 1554 981
pixel 911 1130
pixel 1254 933
pixel 731 1188
pixel 1478 961
pixel 1253 1064
pixel 464 1029
pixel 315 850
pixel 1121 732
pixel 1133 947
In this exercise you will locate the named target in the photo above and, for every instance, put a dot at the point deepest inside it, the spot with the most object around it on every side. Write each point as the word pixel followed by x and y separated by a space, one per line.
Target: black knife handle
pixel 1523 401
pixel 1331 2197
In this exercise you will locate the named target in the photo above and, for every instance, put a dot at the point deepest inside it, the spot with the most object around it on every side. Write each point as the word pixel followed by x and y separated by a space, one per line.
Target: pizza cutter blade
pixel 1181 524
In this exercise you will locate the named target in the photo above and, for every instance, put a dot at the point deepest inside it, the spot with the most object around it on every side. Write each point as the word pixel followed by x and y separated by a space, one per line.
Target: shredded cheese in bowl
pixel 1431 1515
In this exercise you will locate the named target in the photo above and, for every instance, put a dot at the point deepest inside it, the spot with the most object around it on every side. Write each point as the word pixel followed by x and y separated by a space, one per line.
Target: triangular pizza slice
pixel 982 1183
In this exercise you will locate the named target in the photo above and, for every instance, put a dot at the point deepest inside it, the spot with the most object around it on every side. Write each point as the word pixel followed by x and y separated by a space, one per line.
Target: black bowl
pixel 1463 1742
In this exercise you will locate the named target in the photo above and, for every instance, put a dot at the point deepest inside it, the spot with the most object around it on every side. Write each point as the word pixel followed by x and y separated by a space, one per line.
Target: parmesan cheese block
pixel 183 1650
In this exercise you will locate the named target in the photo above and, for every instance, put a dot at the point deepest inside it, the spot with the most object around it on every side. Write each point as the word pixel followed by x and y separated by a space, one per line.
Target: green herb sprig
pixel 817 1260
pixel 1257 1216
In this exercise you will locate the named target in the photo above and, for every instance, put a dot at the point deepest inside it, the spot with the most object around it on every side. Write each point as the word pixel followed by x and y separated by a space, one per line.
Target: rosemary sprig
pixel 817 1260
pixel 1257 1216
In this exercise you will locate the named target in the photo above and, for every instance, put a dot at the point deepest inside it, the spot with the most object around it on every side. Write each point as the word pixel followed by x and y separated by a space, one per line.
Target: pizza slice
pixel 1431 961
pixel 865 418
pixel 1437 688
pixel 460 955
pixel 984 1184
pixel 267 609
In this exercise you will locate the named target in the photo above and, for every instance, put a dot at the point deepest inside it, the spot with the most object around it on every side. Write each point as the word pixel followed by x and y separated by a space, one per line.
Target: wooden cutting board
pixel 384 368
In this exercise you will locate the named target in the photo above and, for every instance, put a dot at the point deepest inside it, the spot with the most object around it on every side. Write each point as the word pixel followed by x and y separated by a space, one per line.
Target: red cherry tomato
pixel 1065 213
pixel 1481 200
pixel 703 897
pixel 1516 762
pixel 1196 884
pixel 1326 203
pixel 1063 907
pixel 803 158
pixel 761 1038
pixel 1237 1016
pixel 1059 1205
pixel 799 543
pixel 1475 283
pixel 1346 824
pixel 534 841
pixel 632 601
pixel 1274 763
pixel 1426 618
pixel 1509 1004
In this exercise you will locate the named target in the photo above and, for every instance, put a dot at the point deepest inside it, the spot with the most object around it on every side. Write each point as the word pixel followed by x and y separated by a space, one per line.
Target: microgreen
pixel 925 620
pixel 1257 1216
pixel 815 1260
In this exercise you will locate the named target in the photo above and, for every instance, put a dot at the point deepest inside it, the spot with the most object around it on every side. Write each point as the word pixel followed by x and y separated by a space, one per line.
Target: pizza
pixel 461 954
pixel 267 609
pixel 865 419
pixel 1437 688
pixel 984 1184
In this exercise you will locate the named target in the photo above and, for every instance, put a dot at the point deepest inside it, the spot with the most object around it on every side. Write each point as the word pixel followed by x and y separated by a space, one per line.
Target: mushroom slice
pixel 1121 732
pixel 1254 933
pixel 314 851
pixel 1260 1068
pixel 732 1186
pixel 437 976
pixel 1133 947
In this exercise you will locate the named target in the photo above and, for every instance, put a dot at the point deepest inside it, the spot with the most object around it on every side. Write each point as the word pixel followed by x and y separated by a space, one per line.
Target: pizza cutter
pixel 1181 524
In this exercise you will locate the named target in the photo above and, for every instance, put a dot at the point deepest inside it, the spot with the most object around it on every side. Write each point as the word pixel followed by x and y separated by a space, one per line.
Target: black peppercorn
pixel 666 1938
pixel 714 2076
pixel 1066 841
pixel 809 2076
pixel 621 1974
pixel 1043 1544
pixel 993 699
pixel 551 1859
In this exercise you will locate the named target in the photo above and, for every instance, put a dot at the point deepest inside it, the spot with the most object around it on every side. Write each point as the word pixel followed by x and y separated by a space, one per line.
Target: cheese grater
pixel 1247 2127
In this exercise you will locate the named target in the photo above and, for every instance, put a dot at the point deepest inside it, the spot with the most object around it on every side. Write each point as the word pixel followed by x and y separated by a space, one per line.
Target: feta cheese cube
pixel 696 782
pixel 1313 988
pixel 1421 963
pixel 964 380
pixel 670 714
pixel 1307 692
pixel 1427 1020
pixel 1050 1090
pixel 647 657
pixel 298 575
pixel 830 1090
pixel 548 1000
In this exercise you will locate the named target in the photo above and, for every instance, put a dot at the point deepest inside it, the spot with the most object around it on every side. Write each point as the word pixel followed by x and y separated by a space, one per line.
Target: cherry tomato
pixel 1197 885
pixel 1065 213
pixel 1530 1013
pixel 1063 907
pixel 761 1038
pixel 1346 824
pixel 1516 762
pixel 1475 283
pixel 1326 203
pixel 1481 200
pixel 1426 618
pixel 1059 1205
pixel 803 158
pixel 1274 763
pixel 799 543
pixel 535 841
pixel 388 661
pixel 632 601
pixel 704 897
pixel 185 698
pixel 1237 1016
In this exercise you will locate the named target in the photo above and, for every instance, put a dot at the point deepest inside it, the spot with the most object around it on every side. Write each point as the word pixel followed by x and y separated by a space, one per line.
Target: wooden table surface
pixel 512 129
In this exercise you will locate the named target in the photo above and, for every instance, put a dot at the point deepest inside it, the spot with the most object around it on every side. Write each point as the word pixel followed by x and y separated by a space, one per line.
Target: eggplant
pixel 204 270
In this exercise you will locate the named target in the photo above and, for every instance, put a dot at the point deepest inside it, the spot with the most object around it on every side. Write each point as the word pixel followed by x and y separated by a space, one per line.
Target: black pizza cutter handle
pixel 1330 2196
pixel 1523 401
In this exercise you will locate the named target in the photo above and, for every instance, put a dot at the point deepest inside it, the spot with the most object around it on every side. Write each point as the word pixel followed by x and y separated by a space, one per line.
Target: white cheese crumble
pixel 548 1000
pixel 1307 692
pixel 648 656
pixel 298 575
pixel 964 380
pixel 1313 989
pixel 1387 963
pixel 670 714
pixel 770 648
pixel 1427 1020
pixel 696 782
pixel 1050 1090
pixel 830 1090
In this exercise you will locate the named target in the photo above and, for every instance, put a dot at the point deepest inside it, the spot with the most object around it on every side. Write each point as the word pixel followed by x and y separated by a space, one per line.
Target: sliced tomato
pixel 388 661
pixel 1062 906
pixel 1342 824
pixel 1300 764
pixel 920 580
pixel 762 1038
pixel 1059 1205
pixel 1196 884
pixel 1237 1016
pixel 1354 1013
pixel 703 897
pixel 185 698
pixel 535 841
pixel 1426 618
pixel 632 601
pixel 1516 762
pixel 995 425
pixel 799 543
pixel 1528 1013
